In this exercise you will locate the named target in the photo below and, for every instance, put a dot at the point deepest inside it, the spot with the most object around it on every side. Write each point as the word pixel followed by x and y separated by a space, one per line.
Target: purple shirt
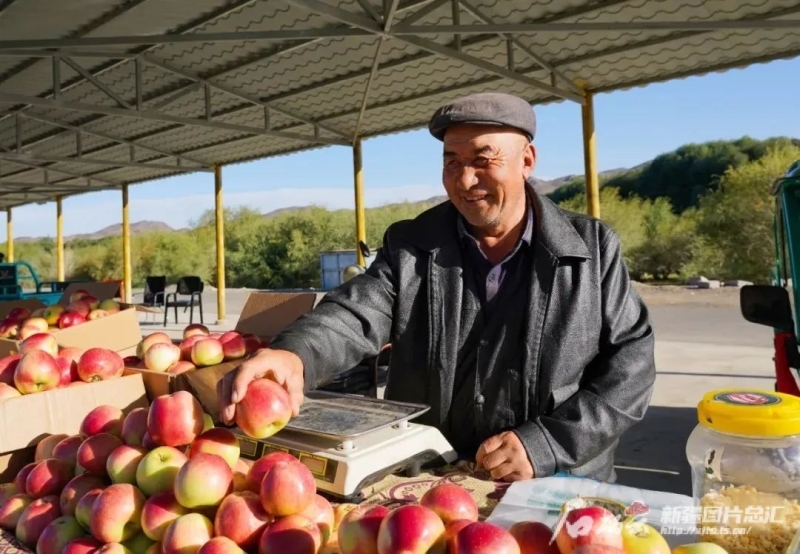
pixel 489 276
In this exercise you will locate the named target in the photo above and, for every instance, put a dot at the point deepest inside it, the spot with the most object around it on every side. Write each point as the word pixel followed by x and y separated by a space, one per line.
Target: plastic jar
pixel 745 460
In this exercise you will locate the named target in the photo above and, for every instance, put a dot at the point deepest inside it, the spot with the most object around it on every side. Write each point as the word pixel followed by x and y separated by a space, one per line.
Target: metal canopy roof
pixel 96 93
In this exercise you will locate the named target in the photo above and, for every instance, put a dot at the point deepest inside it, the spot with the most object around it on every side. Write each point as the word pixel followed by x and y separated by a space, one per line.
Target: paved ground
pixel 702 343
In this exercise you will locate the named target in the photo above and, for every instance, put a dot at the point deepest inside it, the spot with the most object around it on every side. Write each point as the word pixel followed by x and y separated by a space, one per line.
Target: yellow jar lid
pixel 750 412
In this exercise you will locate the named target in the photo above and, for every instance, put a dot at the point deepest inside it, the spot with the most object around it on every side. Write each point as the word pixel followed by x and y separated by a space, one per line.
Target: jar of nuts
pixel 745 461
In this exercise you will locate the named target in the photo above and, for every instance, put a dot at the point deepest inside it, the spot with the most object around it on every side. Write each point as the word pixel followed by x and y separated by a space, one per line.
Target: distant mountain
pixel 541 185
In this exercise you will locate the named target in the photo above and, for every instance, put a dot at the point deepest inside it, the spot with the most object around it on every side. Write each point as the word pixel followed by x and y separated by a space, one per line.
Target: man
pixel 513 319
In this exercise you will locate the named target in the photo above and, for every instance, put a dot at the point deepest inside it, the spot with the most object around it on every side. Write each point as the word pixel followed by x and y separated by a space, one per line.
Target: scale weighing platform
pixel 350 442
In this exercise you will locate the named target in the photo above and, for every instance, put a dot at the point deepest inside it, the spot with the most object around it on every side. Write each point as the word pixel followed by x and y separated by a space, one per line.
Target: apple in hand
pixel 175 419
pixel 203 481
pixel 116 513
pixel 450 502
pixel 358 531
pixel 219 441
pixel 534 536
pixel 265 409
pixel 411 528
pixel 593 525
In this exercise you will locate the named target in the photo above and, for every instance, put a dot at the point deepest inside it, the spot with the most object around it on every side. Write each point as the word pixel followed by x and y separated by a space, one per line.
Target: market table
pixel 393 491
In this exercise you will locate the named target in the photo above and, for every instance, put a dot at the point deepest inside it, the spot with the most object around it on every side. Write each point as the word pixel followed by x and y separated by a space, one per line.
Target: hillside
pixel 138 228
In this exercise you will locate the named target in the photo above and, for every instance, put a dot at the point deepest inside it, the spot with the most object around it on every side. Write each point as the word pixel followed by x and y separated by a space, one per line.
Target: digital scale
pixel 350 442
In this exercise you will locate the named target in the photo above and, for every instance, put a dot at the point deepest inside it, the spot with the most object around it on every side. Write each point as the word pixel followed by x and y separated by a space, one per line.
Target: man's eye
pixel 481 162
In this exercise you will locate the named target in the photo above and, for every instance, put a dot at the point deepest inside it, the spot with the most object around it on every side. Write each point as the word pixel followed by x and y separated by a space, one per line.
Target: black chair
pixel 155 290
pixel 191 286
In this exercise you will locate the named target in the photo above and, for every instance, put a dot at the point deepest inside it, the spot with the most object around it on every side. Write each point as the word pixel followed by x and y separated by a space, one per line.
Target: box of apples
pixel 75 320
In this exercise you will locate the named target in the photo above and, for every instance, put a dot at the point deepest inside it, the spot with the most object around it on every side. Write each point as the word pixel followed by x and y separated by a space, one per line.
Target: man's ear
pixel 528 160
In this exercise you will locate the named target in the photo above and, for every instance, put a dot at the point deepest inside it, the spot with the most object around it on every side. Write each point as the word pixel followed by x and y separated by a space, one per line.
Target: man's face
pixel 484 172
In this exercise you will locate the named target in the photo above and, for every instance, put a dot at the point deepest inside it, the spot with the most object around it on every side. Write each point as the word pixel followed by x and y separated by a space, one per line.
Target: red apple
pixel 260 467
pixel 58 534
pixel 320 512
pixel 150 340
pixel 39 341
pixel 219 441
pixel 122 463
pixel 48 478
pixel 132 361
pixel 52 314
pixel 20 481
pixel 18 314
pixel 77 487
pixel 220 545
pixel 7 391
pixel 251 342
pixel 35 518
pixel 241 518
pixel 37 371
pixel 188 533
pixel 593 525
pixel 358 531
pixel 233 345
pixel 207 352
pixel 481 537
pixel 44 449
pixel 450 529
pixel 134 426
pixel 604 549
pixel 534 537
pixel 195 329
pixel 82 545
pixel 265 409
pixel 99 364
pixel 159 511
pixel 158 469
pixel 287 488
pixel 411 528
pixel 67 449
pixel 295 533
pixel 116 513
pixel 83 509
pixel 34 325
pixel 78 294
pixel 82 307
pixel 9 329
pixel 450 502
pixel 11 510
pixel 71 318
pixel 8 364
pixel 203 481
pixel 67 360
pixel 102 419
pixel 93 453
pixel 187 344
pixel 181 366
pixel 161 355
pixel 175 419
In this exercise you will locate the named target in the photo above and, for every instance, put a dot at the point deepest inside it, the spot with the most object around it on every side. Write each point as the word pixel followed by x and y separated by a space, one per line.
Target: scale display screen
pixel 334 416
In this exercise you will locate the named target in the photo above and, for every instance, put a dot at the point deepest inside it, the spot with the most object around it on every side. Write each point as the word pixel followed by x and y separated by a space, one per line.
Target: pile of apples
pixel 198 348
pixel 20 323
pixel 41 365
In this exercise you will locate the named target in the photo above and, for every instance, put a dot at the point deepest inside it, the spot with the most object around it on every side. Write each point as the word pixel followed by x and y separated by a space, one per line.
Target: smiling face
pixel 484 172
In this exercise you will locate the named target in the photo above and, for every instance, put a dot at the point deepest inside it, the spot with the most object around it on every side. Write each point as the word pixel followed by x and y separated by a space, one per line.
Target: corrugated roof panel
pixel 44 19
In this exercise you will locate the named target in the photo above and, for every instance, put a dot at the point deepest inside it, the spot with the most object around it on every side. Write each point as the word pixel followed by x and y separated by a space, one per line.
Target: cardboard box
pixel 30 303
pixel 27 419
pixel 119 332
pixel 265 314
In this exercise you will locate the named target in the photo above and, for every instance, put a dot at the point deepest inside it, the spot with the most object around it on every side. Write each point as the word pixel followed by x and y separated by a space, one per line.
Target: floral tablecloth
pixel 394 491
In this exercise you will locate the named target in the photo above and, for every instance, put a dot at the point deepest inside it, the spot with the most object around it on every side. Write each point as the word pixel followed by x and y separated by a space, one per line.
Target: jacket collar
pixel 438 228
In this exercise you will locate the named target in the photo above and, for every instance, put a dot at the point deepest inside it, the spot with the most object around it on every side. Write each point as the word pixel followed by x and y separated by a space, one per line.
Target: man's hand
pixel 505 458
pixel 283 367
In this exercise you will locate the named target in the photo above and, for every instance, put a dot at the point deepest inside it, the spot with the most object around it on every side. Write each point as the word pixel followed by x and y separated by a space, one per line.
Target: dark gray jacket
pixel 588 364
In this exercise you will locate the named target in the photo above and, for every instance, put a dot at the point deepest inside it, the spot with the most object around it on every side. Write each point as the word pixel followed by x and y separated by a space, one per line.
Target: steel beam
pixel 80 70
pixel 160 117
pixel 66 52
pixel 13 156
pixel 581 27
pixel 317 6
pixel 118 140
pixel 72 174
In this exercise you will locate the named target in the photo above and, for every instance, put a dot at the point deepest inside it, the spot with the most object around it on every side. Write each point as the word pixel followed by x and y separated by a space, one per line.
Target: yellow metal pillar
pixel 59 239
pixel 219 212
pixel 9 237
pixel 361 224
pixel 126 246
pixel 590 156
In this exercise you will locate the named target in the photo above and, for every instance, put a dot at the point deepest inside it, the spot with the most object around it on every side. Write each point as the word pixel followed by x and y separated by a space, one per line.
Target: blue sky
pixel 632 126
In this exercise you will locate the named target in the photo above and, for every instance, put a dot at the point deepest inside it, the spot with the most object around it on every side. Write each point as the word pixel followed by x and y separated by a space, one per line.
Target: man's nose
pixel 466 178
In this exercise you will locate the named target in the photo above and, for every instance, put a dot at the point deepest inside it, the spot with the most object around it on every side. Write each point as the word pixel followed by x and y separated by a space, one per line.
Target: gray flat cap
pixel 485 108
